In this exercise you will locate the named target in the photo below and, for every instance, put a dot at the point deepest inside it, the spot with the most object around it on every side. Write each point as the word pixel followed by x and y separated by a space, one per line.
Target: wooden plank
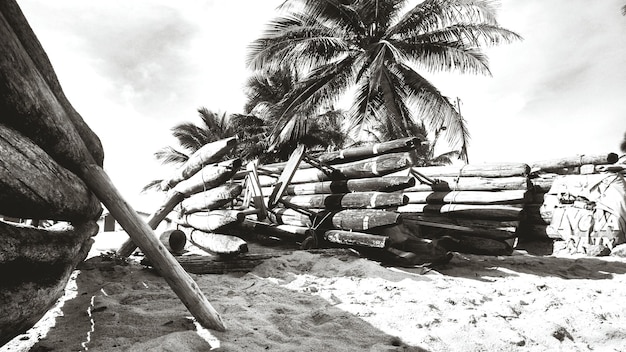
pixel 286 176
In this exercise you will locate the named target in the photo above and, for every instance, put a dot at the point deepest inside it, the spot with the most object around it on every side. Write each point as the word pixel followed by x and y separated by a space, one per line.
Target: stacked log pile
pixel 543 174
pixel 470 208
pixel 344 198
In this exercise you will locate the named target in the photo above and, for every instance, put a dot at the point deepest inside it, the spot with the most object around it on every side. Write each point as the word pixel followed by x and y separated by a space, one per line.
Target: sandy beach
pixel 339 302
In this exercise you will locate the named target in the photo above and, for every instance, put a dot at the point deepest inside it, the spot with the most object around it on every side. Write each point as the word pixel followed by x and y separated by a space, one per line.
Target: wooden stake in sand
pixel 30 106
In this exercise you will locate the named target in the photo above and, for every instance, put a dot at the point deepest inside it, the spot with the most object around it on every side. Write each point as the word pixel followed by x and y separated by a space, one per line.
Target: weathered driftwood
pixel 209 177
pixel 574 161
pixel 357 219
pixel 218 243
pixel 474 170
pixel 469 197
pixel 478 211
pixel 353 154
pixel 373 184
pixel 372 167
pixel 356 200
pixel 31 107
pixel 24 34
pixel 211 199
pixel 36 265
pixel 211 221
pixel 174 240
pixel 33 185
pixel 353 238
pixel 208 154
pixel 472 184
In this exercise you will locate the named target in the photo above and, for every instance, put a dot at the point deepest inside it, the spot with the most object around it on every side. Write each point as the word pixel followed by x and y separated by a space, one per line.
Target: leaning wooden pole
pixel 31 107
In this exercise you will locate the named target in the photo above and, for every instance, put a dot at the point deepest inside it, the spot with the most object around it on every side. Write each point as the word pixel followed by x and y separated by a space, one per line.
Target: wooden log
pixel 209 177
pixel 217 243
pixel 541 183
pixel 473 184
pixel 208 154
pixel 374 184
pixel 372 167
pixel 503 226
pixel 211 221
pixel 478 211
pixel 354 154
pixel 463 230
pixel 288 216
pixel 574 161
pixel 475 170
pixel 475 245
pixel 174 241
pixel 356 200
pixel 33 185
pixel 283 232
pixel 357 219
pixel 469 197
pixel 352 238
pixel 26 37
pixel 30 107
pixel 211 199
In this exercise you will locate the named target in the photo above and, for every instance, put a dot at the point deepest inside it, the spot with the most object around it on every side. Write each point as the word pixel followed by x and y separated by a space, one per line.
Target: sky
pixel 135 69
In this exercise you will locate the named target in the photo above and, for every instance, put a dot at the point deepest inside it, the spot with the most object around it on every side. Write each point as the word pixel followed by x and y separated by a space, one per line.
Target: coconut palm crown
pixel 377 47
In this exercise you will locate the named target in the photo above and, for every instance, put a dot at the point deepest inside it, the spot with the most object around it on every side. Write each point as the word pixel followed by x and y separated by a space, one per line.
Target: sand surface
pixel 314 302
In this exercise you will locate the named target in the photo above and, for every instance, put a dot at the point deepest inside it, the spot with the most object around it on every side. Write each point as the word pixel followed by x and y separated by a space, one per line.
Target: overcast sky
pixel 134 69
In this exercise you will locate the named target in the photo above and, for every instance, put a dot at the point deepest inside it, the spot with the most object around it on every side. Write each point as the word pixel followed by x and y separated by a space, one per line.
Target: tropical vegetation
pixel 376 48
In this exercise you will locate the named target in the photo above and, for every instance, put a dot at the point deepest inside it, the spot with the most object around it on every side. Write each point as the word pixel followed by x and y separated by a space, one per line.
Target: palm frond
pixel 169 155
pixel 154 185
pixel 430 102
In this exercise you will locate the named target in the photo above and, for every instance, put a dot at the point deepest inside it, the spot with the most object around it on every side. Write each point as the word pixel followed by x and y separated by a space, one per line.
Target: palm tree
pixel 377 47
pixel 265 92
